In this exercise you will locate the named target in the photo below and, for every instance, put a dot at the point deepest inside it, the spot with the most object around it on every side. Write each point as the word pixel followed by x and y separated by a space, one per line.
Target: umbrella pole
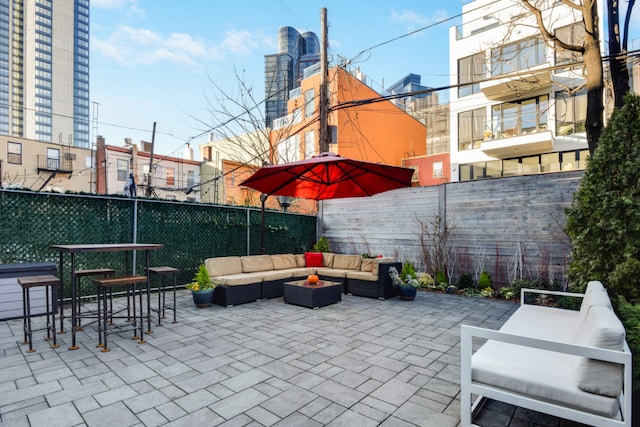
pixel 263 199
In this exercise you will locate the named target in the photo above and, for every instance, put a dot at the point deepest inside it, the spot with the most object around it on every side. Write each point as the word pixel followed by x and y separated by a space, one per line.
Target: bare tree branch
pixel 545 32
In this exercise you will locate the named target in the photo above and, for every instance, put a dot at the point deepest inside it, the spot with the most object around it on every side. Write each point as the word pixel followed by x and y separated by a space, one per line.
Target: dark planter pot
pixel 204 298
pixel 407 293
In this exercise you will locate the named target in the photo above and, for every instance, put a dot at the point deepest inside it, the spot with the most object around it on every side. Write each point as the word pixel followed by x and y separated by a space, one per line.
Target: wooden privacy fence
pixel 512 227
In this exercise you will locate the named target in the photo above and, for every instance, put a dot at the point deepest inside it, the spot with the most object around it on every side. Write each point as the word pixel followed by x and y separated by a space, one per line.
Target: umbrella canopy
pixel 328 176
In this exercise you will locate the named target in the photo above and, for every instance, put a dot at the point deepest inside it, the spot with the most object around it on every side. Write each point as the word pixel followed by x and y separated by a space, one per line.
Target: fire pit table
pixel 300 292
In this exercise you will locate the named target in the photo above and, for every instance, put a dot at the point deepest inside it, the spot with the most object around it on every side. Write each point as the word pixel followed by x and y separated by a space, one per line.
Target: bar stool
pixel 133 286
pixel 46 281
pixel 161 272
pixel 104 272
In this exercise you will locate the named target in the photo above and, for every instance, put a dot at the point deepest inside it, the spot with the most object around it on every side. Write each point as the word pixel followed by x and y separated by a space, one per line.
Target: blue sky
pixel 153 60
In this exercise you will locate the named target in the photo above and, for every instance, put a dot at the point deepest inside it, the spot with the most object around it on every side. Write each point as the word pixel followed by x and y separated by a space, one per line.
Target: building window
pixel 471 71
pixel 191 179
pixel 171 173
pixel 437 169
pixel 518 56
pixel 309 144
pixel 53 159
pixel 14 153
pixel 309 106
pixel 571 112
pixel 471 129
pixel 123 169
pixel 571 34
pixel 519 118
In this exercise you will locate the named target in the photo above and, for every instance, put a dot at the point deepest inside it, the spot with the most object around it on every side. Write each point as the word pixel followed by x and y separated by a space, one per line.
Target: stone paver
pixel 363 362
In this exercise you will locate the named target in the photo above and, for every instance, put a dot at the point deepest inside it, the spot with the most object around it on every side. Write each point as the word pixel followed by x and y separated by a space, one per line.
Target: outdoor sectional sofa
pixel 243 279
pixel 571 364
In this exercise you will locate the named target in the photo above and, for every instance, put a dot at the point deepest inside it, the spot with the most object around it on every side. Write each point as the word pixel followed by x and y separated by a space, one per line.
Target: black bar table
pixel 99 247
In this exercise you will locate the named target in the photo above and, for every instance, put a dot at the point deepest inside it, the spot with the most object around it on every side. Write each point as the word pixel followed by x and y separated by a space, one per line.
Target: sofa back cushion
pixel 327 259
pixel 347 262
pixel 223 266
pixel 601 328
pixel 367 265
pixel 255 263
pixel 597 296
pixel 300 261
pixel 280 262
pixel 313 259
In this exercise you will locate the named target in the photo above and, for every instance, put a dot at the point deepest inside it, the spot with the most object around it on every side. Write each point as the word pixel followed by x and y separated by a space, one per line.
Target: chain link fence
pixel 191 232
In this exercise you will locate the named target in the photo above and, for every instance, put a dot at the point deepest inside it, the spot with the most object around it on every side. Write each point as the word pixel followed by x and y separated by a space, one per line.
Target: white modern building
pixel 516 107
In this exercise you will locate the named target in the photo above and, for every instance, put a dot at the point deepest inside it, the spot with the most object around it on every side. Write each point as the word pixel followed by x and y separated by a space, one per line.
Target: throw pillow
pixel 313 259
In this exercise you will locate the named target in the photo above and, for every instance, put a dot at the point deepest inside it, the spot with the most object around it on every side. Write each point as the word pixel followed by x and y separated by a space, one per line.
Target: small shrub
pixel 322 245
pixel 450 289
pixel 471 292
pixel 440 277
pixel 630 316
pixel 465 281
pixel 408 269
pixel 487 292
pixel 506 293
pixel 484 281
pixel 426 281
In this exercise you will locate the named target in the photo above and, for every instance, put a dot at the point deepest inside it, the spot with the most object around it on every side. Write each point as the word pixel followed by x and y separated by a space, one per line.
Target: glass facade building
pixel 283 70
pixel 36 65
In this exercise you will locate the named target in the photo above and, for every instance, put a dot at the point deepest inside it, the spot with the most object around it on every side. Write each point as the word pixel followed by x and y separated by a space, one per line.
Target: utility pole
pixel 324 77
pixel 153 143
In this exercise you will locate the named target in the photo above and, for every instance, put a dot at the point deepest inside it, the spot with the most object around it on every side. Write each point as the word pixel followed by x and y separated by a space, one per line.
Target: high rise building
pixel 283 70
pixel 44 70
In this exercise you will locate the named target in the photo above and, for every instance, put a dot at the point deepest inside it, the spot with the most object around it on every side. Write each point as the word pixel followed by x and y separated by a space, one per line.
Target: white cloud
pixel 132 46
pixel 415 20
pixel 239 42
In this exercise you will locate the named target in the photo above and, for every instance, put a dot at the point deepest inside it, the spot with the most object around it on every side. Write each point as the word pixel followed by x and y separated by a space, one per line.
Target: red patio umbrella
pixel 328 176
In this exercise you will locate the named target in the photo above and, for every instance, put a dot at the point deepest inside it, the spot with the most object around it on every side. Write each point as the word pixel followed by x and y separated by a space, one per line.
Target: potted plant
pixel 407 280
pixel 202 288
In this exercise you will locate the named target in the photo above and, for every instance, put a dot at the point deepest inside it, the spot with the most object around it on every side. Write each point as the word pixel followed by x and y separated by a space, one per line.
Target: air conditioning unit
pixel 69 156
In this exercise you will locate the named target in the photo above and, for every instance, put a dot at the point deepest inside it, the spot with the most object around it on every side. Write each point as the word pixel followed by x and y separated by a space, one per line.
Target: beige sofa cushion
pixel 300 260
pixel 367 264
pixel 327 259
pixel 347 262
pixel 601 328
pixel 239 279
pixel 254 263
pixel 223 266
pixel 281 262
pixel 362 275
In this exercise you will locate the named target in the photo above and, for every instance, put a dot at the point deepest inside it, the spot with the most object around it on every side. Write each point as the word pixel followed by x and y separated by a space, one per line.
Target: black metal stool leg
pixel 54 297
pixel 174 299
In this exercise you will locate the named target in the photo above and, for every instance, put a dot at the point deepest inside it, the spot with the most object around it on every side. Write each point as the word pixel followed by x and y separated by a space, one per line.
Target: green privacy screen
pixel 191 232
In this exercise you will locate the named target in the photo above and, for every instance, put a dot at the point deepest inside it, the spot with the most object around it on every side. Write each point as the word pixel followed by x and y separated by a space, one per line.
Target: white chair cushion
pixel 601 328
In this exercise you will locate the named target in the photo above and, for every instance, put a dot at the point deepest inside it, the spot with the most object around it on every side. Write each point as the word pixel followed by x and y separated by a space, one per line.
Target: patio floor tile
pixel 363 362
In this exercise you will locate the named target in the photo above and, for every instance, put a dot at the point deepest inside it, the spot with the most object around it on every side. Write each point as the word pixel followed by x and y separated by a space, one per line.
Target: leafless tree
pixel 437 252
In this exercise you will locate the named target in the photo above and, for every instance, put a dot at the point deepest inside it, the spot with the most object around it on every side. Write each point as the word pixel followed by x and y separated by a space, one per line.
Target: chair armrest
pixel 467 333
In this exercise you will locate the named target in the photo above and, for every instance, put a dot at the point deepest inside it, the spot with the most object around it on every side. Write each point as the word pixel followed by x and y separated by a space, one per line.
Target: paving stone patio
pixel 362 362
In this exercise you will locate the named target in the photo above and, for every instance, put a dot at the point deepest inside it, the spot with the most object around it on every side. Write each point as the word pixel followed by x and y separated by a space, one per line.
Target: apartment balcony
pixel 288 120
pixel 515 143
pixel 517 85
pixel 49 164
